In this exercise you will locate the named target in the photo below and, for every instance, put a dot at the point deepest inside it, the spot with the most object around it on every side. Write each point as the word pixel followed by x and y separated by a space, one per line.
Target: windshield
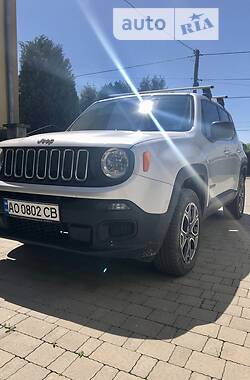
pixel 173 112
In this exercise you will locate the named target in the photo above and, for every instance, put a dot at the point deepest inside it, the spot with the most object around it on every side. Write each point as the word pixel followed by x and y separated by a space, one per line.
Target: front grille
pixel 55 166
pixel 36 230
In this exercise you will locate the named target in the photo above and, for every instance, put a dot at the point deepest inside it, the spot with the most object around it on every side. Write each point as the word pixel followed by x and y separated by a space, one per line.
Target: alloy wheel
pixel 189 234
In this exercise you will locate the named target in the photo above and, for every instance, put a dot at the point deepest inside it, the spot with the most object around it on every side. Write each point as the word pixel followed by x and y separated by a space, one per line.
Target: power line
pixel 134 66
pixel 233 79
pixel 238 97
pixel 226 53
pixel 180 42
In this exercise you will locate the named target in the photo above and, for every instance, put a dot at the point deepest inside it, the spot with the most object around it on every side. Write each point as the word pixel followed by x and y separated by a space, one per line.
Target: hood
pixel 117 139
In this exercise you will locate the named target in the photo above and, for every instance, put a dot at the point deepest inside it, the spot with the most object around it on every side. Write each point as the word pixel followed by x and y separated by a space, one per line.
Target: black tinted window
pixel 172 112
pixel 223 115
pixel 209 115
pixel 209 112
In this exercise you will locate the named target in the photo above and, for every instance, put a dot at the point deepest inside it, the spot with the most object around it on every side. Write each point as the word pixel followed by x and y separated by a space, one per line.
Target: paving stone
pixel 30 372
pixel 114 318
pixel 157 349
pixel 235 353
pixel 55 334
pixel 235 371
pixel 138 310
pixel 246 313
pixel 89 346
pixel 240 324
pixel 190 340
pixel 72 340
pixel 95 332
pixel 163 371
pixel 143 366
pixel 6 314
pixel 13 321
pixel 82 369
pixel 247 341
pixel 63 362
pixel 115 356
pixel 5 357
pixel 213 347
pixel 115 337
pixel 224 320
pixel 199 376
pixel 206 364
pixel 11 367
pixel 208 329
pixel 45 354
pixel 132 343
pixel 180 356
pixel 106 373
pixel 19 344
pixel 34 327
pixel 55 376
pixel 142 326
pixel 126 376
pixel 231 335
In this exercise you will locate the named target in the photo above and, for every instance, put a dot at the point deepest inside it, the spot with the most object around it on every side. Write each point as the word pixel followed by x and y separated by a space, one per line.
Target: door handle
pixel 227 152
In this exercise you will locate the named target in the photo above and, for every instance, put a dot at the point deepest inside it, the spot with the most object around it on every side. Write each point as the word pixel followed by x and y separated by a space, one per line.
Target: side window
pixel 224 116
pixel 209 115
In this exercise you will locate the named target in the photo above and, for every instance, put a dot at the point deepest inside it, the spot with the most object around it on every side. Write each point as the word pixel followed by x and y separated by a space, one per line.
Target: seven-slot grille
pixel 57 166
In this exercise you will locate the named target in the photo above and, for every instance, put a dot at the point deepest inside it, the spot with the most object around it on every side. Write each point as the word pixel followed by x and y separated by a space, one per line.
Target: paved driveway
pixel 68 317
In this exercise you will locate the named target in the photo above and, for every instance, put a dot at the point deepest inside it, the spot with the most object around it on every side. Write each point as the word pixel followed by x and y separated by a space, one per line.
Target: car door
pixel 232 151
pixel 216 152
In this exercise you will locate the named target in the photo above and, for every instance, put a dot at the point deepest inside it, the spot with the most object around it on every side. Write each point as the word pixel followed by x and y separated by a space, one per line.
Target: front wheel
pixel 235 209
pixel 179 251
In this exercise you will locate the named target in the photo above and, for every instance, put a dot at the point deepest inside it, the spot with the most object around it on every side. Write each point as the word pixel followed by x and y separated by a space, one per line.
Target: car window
pixel 209 115
pixel 224 116
pixel 172 112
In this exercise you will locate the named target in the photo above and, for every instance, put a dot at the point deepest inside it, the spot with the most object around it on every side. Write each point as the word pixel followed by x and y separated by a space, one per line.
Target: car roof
pixel 125 96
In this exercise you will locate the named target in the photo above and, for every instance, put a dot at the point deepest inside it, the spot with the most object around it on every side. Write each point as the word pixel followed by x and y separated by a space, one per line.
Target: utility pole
pixel 196 67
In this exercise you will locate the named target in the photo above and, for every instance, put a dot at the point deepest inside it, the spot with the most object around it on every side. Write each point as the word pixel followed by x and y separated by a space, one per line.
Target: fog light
pixel 119 206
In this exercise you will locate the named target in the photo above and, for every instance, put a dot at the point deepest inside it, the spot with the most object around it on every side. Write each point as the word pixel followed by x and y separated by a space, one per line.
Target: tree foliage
pixel 117 87
pixel 47 86
pixel 88 95
pixel 154 83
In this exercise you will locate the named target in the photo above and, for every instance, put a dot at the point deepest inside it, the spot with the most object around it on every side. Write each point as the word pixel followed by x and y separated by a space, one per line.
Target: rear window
pixel 172 112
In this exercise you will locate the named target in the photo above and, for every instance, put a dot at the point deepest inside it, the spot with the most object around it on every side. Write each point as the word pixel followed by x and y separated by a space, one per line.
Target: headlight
pixel 115 163
pixel 1 158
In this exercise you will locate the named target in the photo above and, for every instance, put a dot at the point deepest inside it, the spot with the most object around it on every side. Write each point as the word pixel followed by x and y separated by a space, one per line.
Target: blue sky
pixel 65 22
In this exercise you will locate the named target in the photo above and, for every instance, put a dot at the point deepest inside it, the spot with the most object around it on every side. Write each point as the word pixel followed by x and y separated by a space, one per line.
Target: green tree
pixel 152 83
pixel 117 87
pixel 47 85
pixel 89 95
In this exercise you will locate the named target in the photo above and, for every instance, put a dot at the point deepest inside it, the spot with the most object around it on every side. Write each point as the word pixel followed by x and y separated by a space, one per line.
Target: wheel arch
pixel 194 177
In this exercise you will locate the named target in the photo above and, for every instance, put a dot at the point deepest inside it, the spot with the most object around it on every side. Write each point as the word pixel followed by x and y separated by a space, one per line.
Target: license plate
pixel 32 210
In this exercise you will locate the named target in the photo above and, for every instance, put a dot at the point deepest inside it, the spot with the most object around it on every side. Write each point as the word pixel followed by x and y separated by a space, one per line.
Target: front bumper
pixel 89 226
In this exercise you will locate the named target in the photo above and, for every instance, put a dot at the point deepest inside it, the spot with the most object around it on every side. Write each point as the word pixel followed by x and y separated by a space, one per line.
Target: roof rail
pixel 220 99
pixel 206 91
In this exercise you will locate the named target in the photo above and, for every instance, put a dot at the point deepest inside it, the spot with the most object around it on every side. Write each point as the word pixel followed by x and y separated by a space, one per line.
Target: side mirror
pixel 222 130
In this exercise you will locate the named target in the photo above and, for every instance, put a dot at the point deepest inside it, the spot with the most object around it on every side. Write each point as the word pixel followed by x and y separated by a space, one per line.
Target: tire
pixel 235 209
pixel 176 257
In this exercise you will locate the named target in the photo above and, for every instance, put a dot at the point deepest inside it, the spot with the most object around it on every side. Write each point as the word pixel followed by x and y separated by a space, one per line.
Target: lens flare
pixel 146 106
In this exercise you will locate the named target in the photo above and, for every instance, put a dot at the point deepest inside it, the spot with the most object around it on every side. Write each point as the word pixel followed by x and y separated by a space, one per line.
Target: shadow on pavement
pixel 131 298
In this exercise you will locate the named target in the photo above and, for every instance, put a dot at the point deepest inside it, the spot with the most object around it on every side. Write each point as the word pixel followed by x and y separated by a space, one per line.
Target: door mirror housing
pixel 222 130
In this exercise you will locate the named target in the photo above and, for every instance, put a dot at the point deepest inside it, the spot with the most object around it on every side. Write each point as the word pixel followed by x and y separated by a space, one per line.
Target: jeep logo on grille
pixel 45 141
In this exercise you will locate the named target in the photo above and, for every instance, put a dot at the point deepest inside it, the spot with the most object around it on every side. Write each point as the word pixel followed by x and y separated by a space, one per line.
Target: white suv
pixel 132 177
